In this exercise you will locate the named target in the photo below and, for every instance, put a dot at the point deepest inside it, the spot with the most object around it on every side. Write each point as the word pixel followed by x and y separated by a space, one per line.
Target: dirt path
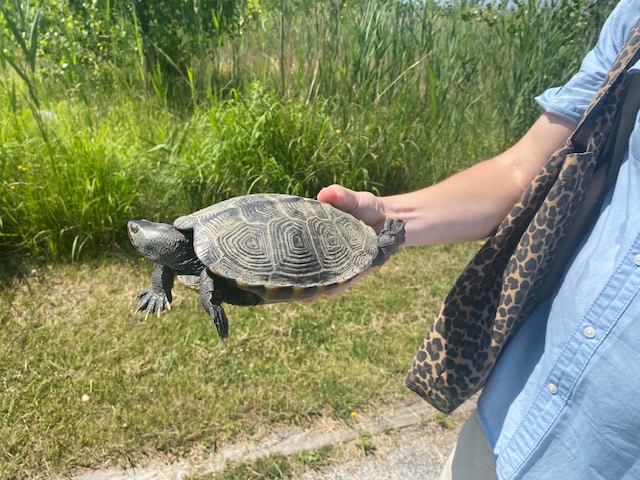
pixel 408 442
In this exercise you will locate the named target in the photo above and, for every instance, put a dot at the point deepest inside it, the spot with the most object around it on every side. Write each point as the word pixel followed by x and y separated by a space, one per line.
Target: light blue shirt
pixel 564 399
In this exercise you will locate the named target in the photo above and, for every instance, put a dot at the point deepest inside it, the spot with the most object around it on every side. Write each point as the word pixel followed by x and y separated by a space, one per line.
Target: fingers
pixel 340 197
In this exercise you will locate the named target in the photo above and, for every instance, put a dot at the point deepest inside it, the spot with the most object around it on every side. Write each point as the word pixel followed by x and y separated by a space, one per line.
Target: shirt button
pixel 552 388
pixel 636 260
pixel 589 332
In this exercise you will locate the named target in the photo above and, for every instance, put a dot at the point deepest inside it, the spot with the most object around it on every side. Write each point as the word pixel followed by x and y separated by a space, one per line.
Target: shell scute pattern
pixel 280 245
pixel 331 247
pixel 294 258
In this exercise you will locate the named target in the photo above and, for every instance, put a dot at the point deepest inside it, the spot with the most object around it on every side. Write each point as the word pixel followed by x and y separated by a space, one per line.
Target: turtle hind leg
pixel 210 300
pixel 389 240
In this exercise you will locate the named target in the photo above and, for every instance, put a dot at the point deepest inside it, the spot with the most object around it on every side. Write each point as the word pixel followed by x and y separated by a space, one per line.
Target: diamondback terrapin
pixel 256 249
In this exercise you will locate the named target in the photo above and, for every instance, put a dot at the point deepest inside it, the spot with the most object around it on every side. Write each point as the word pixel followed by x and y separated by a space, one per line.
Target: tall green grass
pixel 71 189
pixel 382 96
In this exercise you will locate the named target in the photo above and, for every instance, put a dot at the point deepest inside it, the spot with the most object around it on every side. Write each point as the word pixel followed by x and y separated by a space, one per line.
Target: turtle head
pixel 160 242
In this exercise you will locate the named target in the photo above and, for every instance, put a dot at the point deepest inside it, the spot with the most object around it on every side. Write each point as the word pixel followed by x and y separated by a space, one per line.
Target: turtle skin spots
pixel 497 290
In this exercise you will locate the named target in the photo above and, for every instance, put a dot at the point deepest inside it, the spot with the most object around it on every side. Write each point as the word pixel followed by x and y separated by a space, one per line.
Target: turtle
pixel 258 249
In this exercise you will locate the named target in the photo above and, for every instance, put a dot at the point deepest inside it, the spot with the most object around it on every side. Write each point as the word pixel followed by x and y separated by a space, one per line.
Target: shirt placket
pixel 559 384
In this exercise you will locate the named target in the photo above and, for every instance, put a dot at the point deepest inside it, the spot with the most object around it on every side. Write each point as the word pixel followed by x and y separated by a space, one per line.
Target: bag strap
pixel 580 136
pixel 626 125
pixel 603 178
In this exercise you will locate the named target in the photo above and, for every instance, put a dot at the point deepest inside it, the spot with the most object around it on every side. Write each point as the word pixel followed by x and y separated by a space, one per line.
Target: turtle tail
pixel 389 240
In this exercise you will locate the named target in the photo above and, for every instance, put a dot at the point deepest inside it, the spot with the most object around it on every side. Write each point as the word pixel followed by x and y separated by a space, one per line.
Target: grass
pixel 86 382
pixel 74 190
pixel 365 443
pixel 72 193
pixel 446 422
pixel 273 467
pixel 318 458
pixel 380 96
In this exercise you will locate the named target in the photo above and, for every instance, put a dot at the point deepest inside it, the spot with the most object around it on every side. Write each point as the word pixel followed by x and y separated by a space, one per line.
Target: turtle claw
pixel 153 301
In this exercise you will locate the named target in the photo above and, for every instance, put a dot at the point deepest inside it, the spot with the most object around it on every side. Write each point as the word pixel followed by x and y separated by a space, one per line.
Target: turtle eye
pixel 134 228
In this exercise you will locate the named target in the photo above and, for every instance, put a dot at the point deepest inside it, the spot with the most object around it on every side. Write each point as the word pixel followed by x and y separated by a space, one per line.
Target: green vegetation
pixel 365 443
pixel 109 112
pixel 447 422
pixel 316 459
pixel 273 467
pixel 87 382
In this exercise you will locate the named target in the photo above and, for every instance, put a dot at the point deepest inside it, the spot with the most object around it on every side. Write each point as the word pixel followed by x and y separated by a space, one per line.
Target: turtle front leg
pixel 157 296
pixel 210 299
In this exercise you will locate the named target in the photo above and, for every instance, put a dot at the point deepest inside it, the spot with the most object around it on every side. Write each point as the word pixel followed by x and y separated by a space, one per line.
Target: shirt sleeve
pixel 571 100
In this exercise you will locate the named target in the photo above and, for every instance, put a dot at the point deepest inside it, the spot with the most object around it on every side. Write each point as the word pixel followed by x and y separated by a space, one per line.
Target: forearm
pixel 471 204
pixel 467 206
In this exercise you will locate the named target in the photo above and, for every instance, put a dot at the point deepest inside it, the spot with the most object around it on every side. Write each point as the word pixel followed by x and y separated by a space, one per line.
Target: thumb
pixel 364 206
pixel 340 197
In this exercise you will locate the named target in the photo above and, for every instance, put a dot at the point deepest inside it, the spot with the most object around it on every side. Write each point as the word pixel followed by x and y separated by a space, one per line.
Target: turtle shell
pixel 280 246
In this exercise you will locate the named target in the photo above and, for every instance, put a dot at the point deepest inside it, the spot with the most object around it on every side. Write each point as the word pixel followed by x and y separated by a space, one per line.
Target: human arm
pixel 470 204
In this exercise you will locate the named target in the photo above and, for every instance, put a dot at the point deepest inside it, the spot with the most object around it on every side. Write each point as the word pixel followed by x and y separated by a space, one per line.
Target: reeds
pixel 384 96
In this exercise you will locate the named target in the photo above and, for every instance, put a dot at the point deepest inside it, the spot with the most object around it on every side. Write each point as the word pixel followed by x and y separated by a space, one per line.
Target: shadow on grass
pixel 15 265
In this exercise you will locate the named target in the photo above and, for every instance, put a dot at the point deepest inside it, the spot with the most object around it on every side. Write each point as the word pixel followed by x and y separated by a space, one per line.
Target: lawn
pixel 87 382
pixel 113 110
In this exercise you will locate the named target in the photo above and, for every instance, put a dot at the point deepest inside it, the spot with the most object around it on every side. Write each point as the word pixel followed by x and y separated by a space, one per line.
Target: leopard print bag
pixel 498 289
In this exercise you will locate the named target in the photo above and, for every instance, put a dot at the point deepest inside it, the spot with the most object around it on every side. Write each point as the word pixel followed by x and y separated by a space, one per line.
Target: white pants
pixel 472 457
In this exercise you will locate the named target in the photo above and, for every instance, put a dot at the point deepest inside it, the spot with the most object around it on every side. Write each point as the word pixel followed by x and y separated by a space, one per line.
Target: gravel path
pixel 415 451
pixel 408 442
